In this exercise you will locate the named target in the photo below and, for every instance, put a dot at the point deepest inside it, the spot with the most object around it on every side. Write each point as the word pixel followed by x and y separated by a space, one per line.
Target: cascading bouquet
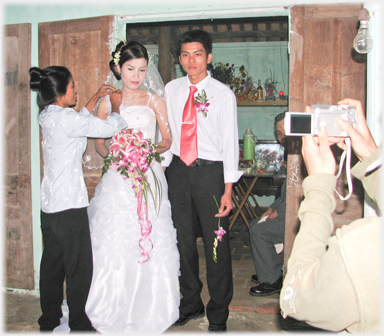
pixel 132 156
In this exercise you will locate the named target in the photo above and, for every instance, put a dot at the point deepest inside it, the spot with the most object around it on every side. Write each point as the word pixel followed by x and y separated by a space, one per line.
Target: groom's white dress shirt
pixel 217 134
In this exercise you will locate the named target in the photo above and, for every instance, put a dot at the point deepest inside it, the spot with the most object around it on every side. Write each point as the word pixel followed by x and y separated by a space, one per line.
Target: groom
pixel 205 152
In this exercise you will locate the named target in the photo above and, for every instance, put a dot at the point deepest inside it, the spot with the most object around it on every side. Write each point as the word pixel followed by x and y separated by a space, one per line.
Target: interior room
pixel 298 53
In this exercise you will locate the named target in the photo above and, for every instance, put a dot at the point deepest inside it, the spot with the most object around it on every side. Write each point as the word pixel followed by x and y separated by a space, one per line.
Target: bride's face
pixel 133 73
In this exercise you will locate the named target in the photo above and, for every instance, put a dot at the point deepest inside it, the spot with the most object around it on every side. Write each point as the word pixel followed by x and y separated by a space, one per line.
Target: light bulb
pixel 363 41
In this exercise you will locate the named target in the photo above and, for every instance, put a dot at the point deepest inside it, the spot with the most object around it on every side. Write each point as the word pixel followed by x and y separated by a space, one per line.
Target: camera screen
pixel 301 123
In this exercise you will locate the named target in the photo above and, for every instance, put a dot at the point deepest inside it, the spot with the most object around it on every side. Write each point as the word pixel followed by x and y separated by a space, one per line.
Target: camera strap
pixel 374 166
pixel 346 154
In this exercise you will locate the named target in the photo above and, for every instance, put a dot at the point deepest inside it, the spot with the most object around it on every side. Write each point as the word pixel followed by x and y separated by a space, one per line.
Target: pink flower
pixel 114 166
pixel 202 107
pixel 221 232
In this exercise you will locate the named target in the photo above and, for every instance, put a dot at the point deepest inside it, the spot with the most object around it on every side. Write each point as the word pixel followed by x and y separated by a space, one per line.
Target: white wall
pixel 375 106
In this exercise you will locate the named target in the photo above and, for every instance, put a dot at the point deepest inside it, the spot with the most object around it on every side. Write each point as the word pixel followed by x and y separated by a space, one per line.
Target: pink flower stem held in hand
pixel 219 234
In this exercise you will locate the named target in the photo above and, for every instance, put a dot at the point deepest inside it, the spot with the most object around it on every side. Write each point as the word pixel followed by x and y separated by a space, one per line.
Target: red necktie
pixel 188 138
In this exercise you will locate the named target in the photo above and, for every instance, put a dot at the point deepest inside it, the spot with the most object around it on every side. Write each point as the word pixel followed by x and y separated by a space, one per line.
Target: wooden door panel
pixel 323 70
pixel 82 46
pixel 17 158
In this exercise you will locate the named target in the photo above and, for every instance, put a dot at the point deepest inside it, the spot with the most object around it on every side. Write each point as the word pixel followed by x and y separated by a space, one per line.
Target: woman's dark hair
pixel 197 35
pixel 50 83
pixel 131 50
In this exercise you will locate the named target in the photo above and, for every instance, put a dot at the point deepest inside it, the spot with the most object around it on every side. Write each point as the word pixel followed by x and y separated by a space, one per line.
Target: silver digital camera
pixel 301 124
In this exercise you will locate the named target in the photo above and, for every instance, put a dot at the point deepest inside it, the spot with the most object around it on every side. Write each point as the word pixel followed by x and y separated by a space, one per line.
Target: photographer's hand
pixel 317 154
pixel 361 138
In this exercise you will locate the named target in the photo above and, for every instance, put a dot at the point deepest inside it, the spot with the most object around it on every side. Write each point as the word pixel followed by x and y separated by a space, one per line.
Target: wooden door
pixel 17 157
pixel 82 46
pixel 323 70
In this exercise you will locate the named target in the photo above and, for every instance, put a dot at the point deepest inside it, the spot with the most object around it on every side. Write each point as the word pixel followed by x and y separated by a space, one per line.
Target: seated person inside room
pixel 267 231
pixel 333 282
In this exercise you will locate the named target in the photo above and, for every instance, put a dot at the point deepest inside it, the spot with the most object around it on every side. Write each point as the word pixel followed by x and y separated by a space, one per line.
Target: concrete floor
pixel 22 309
pixel 247 313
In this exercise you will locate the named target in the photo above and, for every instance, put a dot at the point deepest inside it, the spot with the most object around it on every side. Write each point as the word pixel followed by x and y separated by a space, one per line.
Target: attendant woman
pixel 67 250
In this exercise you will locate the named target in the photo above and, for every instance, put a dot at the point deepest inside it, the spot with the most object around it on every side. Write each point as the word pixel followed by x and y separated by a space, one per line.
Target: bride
pixel 135 285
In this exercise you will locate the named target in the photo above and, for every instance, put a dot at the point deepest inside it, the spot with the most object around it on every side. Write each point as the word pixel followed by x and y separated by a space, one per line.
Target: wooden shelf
pixel 248 102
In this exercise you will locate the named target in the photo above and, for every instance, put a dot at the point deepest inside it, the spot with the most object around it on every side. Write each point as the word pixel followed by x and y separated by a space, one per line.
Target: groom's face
pixel 194 60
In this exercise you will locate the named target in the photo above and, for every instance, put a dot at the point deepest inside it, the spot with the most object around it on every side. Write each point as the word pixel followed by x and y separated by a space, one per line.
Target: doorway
pixel 164 35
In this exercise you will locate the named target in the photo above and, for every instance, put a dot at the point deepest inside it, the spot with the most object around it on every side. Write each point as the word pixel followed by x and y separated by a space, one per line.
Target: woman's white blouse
pixel 65 133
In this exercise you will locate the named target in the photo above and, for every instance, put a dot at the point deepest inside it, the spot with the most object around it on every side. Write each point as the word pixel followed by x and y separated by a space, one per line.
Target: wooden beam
pixel 165 54
pixel 220 30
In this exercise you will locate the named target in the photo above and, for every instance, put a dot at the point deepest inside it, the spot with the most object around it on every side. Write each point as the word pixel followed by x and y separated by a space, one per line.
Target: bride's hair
pixel 125 52
pixel 50 83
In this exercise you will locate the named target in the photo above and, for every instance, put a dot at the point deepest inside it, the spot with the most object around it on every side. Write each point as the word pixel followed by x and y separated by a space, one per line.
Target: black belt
pixel 197 162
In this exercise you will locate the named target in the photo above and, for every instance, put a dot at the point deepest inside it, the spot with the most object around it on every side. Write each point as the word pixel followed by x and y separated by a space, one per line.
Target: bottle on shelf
pixel 249 140
pixel 259 90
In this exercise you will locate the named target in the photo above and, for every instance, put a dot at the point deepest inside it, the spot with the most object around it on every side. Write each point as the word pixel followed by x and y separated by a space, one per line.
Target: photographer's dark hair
pixel 197 35
pixel 50 83
pixel 131 50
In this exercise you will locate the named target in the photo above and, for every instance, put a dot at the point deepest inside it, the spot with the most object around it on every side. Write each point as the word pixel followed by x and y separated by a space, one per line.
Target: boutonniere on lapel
pixel 201 103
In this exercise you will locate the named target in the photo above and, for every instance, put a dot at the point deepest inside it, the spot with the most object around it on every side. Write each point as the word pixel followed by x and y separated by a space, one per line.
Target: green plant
pixel 270 85
pixel 236 77
pixel 242 84
pixel 223 72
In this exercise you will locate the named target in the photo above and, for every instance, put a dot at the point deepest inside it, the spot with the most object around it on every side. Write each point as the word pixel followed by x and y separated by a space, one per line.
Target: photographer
pixel 333 282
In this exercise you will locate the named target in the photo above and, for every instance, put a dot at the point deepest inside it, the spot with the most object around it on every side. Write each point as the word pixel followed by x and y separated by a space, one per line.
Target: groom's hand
pixel 225 205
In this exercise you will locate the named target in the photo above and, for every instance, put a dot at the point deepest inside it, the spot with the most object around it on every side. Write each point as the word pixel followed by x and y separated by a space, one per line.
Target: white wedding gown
pixel 127 296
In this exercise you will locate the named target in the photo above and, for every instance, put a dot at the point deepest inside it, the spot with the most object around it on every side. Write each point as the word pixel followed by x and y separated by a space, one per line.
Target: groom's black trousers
pixel 191 190
pixel 67 255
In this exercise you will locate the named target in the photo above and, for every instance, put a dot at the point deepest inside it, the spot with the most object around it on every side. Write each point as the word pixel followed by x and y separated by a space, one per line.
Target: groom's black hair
pixel 197 35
